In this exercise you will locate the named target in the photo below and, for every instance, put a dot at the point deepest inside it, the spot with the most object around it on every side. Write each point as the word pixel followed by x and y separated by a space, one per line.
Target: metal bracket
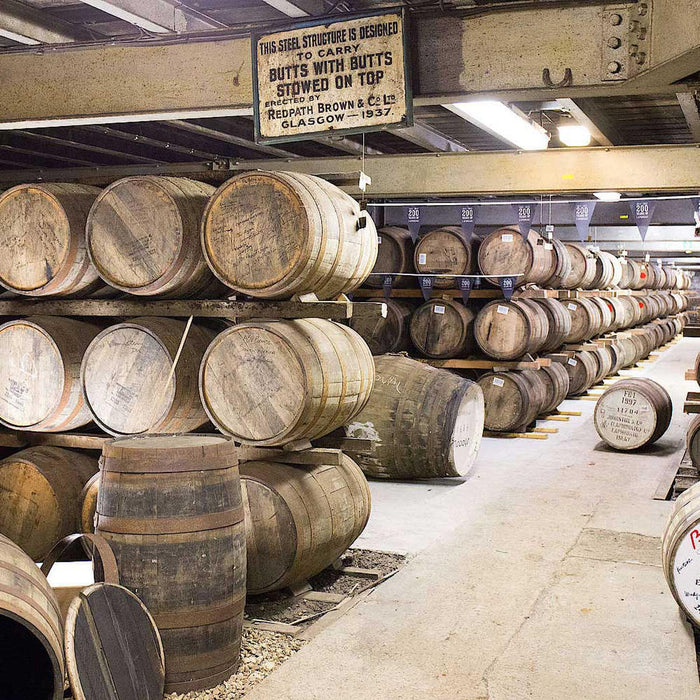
pixel 625 40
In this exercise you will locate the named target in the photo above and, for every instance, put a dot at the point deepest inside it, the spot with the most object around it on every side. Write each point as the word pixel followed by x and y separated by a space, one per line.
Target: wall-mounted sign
pixel 332 76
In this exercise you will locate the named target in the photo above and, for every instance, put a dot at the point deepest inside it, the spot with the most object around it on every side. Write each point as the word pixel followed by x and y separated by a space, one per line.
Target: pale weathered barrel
pixel 388 333
pixel 506 330
pixel 563 265
pixel 443 328
pixel 445 250
pixel 423 422
pixel 512 400
pixel 143 237
pixel 273 382
pixel 585 319
pixel 299 519
pixel 605 314
pixel 276 234
pixel 506 252
pixel 31 629
pixel 42 240
pixel 693 441
pixel 604 362
pixel 40 373
pixel 40 491
pixel 633 413
pixel 128 379
pixel 582 369
pixel 583 268
pixel 557 383
pixel 394 255
pixel 170 507
pixel 559 323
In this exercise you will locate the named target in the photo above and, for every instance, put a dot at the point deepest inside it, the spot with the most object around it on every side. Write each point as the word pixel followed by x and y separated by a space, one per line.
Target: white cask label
pixel 337 75
pixel 497 381
pixel 572 362
pixel 502 309
pixel 571 307
pixel 437 309
pixel 422 259
pixel 379 240
pixel 507 237
pixel 548 246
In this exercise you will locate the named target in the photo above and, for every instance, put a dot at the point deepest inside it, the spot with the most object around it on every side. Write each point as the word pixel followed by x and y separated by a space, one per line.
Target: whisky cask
pixel 583 267
pixel 42 240
pixel 585 319
pixel 693 441
pixel 582 369
pixel 386 334
pixel 506 330
pixel 505 252
pixel 604 362
pixel 273 382
pixel 31 628
pixel 170 507
pixel 633 413
pixel 619 313
pixel 299 519
pixel 557 385
pixel 563 265
pixel 605 312
pixel 512 400
pixel 559 323
pixel 88 503
pixel 40 373
pixel 276 234
pixel 40 490
pixel 394 255
pixel 634 274
pixel 445 250
pixel 423 422
pixel 142 235
pixel 128 379
pixel 633 311
pixel 443 328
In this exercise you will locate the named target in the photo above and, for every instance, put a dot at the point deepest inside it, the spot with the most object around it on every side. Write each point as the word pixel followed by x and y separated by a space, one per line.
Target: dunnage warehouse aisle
pixel 536 576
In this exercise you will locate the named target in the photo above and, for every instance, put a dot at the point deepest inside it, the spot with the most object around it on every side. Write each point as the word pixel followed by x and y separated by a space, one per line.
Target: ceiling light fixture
pixel 574 135
pixel 608 196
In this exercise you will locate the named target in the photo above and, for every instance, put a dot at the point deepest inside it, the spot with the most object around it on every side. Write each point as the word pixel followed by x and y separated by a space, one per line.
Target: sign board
pixel 332 76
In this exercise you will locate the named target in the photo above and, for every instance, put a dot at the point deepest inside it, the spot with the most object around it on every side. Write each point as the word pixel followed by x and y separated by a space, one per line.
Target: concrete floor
pixel 538 576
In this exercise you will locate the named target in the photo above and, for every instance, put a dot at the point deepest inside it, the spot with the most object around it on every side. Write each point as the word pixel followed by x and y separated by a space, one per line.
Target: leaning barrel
pixel 130 380
pixel 512 400
pixel 633 413
pixel 273 382
pixel 423 422
pixel 42 240
pixel 40 373
pixel 143 236
pixel 394 256
pixel 388 333
pixel 445 250
pixel 31 627
pixel 40 490
pixel 276 234
pixel 442 328
pixel 299 519
pixel 170 507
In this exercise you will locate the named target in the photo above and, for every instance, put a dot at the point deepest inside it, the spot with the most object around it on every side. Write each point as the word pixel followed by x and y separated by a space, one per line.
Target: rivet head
pixel 615 19
pixel 614 42
pixel 614 67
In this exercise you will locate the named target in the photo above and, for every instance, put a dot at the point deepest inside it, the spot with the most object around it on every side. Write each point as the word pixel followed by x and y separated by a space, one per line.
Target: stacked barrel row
pixel 445 252
pixel 507 330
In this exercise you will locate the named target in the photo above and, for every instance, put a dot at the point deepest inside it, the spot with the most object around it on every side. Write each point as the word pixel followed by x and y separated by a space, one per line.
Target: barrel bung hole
pixel 26 671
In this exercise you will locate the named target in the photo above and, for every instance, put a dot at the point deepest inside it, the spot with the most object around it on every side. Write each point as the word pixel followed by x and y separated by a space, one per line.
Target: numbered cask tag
pixel 497 381
pixel 502 310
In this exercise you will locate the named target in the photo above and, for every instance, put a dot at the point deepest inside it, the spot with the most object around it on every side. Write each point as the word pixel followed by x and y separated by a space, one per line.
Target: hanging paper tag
pixel 426 286
pixel 387 283
pixel 525 213
pixel 549 230
pixel 583 213
pixel 642 211
pixel 364 181
pixel 413 217
pixel 464 284
pixel 467 220
pixel 507 285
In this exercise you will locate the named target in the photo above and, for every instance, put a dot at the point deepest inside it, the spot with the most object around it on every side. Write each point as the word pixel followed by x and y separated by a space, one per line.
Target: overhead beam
pixel 27 25
pixel 297 8
pixel 425 136
pixel 689 105
pixel 584 118
pixel 159 16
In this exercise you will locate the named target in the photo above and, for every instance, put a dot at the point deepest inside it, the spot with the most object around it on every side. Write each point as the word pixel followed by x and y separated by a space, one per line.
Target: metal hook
pixel 566 81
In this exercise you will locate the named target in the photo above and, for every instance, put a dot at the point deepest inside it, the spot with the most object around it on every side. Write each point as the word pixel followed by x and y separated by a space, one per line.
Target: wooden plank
pixel 270 626
pixel 549 431
pixel 184 308
pixel 360 572
pixel 344 443
pixel 690 375
pixel 569 413
pixel 315 455
pixel 324 597
pixel 553 417
pixel 666 482
pixel 486 363
pixel 529 436
pixel 418 294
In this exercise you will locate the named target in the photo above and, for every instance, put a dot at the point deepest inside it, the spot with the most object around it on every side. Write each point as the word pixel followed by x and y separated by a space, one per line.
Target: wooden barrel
pixel 633 413
pixel 582 369
pixel 40 491
pixel 505 252
pixel 273 382
pixel 40 373
pixel 606 314
pixel 563 265
pixel 170 507
pixel 128 379
pixel 633 313
pixel 88 503
pixel 680 552
pixel 512 400
pixel 559 321
pixel 585 319
pixel 299 519
pixel 557 385
pixel 442 328
pixel 583 268
pixel 445 250
pixel 634 274
pixel 395 254
pixel 42 240
pixel 275 234
pixel 604 362
pixel 143 236
pixel 619 313
pixel 423 422
pixel 692 441
pixel 386 334
pixel 31 628
pixel 506 330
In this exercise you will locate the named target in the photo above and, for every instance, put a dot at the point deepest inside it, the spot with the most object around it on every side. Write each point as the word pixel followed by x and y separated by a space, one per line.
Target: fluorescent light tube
pixel 608 196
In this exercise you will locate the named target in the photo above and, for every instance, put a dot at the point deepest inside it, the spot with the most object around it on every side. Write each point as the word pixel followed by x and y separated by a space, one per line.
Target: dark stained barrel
pixel 693 441
pixel 395 254
pixel 443 328
pixel 386 334
pixel 171 509
pixel 445 250
pixel 512 400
